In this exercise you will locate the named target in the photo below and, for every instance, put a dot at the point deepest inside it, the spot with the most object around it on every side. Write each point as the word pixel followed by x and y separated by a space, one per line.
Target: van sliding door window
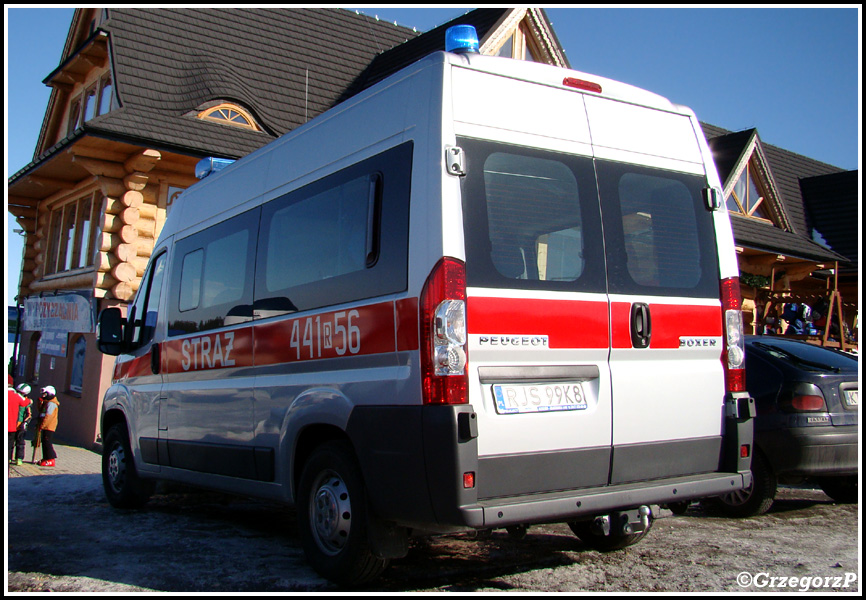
pixel 339 239
pixel 660 237
pixel 531 219
pixel 213 276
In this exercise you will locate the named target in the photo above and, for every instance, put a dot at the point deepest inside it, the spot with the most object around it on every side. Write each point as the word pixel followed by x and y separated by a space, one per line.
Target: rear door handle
pixel 641 325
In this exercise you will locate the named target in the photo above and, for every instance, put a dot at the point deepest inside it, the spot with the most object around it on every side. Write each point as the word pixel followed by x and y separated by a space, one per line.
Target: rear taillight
pixel 443 334
pixel 807 403
pixel 734 357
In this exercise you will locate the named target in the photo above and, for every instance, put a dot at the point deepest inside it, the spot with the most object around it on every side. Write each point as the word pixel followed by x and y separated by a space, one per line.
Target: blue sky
pixel 793 73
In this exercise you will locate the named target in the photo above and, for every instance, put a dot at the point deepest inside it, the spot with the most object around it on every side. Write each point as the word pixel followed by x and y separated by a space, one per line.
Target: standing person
pixel 48 415
pixel 16 402
pixel 23 419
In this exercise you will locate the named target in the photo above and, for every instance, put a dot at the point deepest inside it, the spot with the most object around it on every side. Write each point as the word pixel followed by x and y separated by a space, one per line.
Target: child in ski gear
pixel 16 403
pixel 48 415
pixel 24 416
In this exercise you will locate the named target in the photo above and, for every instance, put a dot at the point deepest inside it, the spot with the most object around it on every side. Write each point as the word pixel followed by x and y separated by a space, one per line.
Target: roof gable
pixel 731 152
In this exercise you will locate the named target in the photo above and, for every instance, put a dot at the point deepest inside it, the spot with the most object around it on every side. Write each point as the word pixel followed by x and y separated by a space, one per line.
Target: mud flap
pixel 739 423
pixel 387 539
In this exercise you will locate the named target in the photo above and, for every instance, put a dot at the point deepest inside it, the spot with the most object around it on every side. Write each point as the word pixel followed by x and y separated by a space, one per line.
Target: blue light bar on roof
pixel 209 165
pixel 461 39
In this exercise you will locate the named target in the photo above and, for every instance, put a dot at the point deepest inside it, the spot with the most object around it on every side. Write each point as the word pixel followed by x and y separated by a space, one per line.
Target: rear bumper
pixel 574 505
pixel 811 451
pixel 414 459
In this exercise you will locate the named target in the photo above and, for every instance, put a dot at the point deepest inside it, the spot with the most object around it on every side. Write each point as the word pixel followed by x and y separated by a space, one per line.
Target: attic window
pixel 518 45
pixel 749 197
pixel 229 114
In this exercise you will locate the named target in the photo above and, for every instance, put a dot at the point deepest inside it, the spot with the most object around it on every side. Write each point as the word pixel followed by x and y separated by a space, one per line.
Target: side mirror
pixel 109 332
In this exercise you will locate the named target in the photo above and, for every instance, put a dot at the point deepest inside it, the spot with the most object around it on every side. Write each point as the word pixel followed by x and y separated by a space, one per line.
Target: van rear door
pixel 537 319
pixel 663 279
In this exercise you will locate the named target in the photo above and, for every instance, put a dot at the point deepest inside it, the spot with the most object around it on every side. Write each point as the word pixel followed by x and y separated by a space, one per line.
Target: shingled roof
pixel 284 66
pixel 831 208
pixel 788 168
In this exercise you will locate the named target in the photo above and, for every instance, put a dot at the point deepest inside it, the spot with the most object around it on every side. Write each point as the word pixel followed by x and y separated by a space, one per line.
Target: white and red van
pixel 484 293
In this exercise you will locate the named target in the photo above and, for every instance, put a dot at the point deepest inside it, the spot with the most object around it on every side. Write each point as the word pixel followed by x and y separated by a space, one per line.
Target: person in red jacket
pixel 16 402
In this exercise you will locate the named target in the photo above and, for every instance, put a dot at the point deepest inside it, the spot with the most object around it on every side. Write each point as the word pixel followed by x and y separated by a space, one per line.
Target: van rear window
pixel 659 236
pixel 531 219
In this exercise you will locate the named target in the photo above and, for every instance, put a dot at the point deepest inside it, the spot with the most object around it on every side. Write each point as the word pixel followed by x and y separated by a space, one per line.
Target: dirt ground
pixel 64 537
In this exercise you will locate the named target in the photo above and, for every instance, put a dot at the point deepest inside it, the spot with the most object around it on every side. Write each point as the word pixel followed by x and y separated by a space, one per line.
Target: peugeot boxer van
pixel 484 293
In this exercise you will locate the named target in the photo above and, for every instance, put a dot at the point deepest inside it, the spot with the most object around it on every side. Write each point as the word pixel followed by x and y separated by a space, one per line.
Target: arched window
pixel 229 114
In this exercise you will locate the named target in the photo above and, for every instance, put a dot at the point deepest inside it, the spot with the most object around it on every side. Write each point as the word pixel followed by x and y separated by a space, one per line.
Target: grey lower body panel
pixel 577 504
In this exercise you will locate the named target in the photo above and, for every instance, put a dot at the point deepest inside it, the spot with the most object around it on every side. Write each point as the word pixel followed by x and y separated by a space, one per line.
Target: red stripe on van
pixel 406 317
pixel 353 332
pixel 208 351
pixel 567 323
pixel 669 323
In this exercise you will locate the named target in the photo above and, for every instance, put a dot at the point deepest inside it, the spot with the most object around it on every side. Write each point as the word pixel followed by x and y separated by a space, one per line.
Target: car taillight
pixel 734 357
pixel 443 334
pixel 807 403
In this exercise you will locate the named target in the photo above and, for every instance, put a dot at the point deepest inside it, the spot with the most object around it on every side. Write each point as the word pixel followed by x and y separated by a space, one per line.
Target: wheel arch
pixel 308 439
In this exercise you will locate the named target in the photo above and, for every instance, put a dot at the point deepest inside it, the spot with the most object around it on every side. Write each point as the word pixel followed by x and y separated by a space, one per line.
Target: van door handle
pixel 641 325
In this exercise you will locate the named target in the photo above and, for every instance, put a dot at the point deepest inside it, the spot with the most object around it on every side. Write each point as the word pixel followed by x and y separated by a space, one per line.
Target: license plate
pixel 538 397
pixel 852 397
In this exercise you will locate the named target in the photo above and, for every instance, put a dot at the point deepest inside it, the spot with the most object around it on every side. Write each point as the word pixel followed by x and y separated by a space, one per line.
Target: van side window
pixel 213 276
pixel 190 280
pixel 531 219
pixel 145 308
pixel 339 239
pixel 325 235
pixel 660 239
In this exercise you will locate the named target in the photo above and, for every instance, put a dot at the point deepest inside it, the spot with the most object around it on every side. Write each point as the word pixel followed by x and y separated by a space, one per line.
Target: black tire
pixel 606 543
pixel 123 487
pixel 679 508
pixel 332 517
pixel 757 498
pixel 841 489
pixel 517 532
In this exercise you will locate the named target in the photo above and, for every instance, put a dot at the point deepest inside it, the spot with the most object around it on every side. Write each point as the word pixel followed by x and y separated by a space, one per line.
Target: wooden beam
pixel 100 167
pixel 51 182
pixel 143 162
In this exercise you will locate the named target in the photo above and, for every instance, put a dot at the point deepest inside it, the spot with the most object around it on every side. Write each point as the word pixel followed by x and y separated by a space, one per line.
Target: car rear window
pixel 805 355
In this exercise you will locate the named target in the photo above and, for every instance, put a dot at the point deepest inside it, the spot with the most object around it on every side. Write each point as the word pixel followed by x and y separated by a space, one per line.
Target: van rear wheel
pixel 332 517
pixel 123 487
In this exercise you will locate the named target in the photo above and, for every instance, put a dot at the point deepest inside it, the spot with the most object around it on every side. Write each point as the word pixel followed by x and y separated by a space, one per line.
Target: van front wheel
pixel 123 487
pixel 332 517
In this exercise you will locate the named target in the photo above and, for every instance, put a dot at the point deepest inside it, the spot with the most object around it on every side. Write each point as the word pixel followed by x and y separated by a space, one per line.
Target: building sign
pixel 70 312
pixel 56 317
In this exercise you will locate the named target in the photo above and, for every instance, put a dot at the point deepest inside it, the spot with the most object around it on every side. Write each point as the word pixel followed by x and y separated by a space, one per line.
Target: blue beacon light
pixel 209 165
pixel 461 39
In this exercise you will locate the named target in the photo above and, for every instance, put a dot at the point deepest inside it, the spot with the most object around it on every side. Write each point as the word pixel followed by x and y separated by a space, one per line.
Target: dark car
pixel 807 401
